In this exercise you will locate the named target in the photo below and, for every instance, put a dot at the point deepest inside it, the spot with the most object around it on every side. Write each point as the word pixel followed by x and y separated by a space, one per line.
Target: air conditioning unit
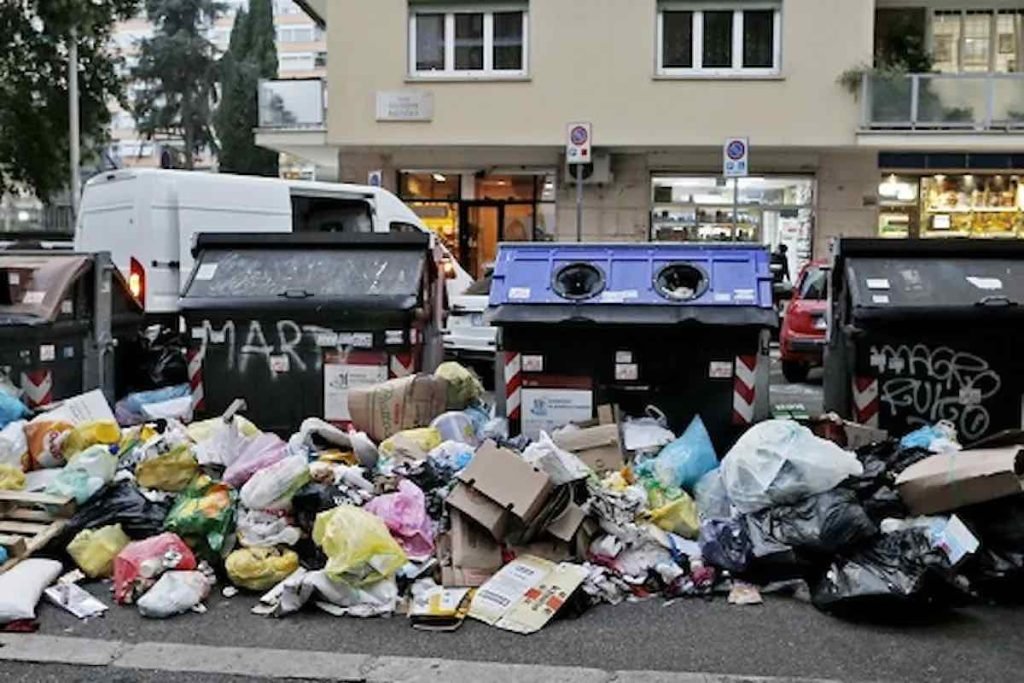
pixel 597 172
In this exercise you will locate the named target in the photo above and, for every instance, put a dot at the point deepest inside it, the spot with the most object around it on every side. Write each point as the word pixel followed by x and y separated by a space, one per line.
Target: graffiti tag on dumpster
pixel 932 384
pixel 283 346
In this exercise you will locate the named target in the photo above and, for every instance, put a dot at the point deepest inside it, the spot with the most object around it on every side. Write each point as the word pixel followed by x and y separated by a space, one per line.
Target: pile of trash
pixel 425 505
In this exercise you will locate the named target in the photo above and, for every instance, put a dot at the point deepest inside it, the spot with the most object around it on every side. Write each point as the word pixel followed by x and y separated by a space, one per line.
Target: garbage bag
pixel 678 516
pixel 85 474
pixel 170 471
pixel 121 504
pixel 11 409
pixel 645 434
pixel 314 432
pixel 900 568
pixel 360 550
pixel 94 551
pixel 937 438
pixel 997 574
pixel 22 586
pixel 711 498
pixel 463 385
pixel 11 478
pixel 204 429
pixel 175 592
pixel 139 564
pixel 130 410
pixel 825 523
pixel 377 599
pixel 405 514
pixel 875 487
pixel 257 452
pixel 90 434
pixel 724 543
pixel 312 499
pixel 455 426
pixel 203 514
pixel 14 445
pixel 683 462
pixel 45 439
pixel 411 444
pixel 778 462
pixel 272 487
pixel 260 568
pixel 223 445
pixel 261 528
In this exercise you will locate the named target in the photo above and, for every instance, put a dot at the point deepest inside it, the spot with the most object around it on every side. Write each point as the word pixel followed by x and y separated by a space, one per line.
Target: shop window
pixel 717 40
pixel 971 205
pixel 468 43
pixel 440 186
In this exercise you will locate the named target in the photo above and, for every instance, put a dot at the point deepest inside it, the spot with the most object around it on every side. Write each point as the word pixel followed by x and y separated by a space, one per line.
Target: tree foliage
pixel 251 55
pixel 177 74
pixel 34 133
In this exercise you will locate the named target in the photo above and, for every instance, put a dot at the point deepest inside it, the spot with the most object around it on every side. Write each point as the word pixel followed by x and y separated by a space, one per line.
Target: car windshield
pixel 815 284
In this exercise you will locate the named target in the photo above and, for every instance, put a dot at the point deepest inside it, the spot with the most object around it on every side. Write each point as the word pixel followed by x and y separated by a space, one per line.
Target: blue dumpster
pixel 683 327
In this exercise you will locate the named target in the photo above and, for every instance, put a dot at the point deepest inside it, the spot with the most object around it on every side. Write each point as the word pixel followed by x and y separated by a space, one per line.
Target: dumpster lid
pixel 958 278
pixel 33 285
pixel 379 271
pixel 647 283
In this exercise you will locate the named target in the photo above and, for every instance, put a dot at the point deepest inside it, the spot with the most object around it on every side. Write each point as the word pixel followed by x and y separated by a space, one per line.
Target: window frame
pixel 737 70
pixel 488 72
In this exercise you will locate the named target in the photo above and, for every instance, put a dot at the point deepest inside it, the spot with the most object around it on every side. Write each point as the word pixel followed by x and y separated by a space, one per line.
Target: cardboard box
pixel 564 526
pixel 471 545
pixel 452 575
pixel 507 482
pixel 549 549
pixel 949 481
pixel 382 410
pixel 598 447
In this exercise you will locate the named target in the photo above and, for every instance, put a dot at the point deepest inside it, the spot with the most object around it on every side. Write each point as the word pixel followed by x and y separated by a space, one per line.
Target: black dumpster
pixel 927 330
pixel 683 327
pixel 290 322
pixel 61 316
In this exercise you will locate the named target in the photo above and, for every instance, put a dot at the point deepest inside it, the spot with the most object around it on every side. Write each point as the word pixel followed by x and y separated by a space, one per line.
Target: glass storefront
pixel 986 205
pixel 769 210
pixel 472 213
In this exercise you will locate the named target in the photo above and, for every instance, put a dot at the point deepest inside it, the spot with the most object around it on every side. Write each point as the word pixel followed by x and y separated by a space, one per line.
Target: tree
pixel 34 134
pixel 177 72
pixel 251 55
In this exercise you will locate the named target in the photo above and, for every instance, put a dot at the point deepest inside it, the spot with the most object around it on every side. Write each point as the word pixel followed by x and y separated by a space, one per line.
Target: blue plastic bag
pixel 683 462
pixel 11 409
pixel 129 409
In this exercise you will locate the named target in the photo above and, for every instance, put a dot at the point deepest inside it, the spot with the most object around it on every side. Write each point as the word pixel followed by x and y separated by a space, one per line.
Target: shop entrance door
pixel 479 233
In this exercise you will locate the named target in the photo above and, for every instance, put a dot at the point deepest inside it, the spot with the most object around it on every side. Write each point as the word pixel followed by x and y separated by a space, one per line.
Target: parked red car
pixel 802 339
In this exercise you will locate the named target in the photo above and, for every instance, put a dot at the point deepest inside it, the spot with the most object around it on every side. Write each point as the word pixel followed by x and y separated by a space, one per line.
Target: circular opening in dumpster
pixel 681 282
pixel 578 281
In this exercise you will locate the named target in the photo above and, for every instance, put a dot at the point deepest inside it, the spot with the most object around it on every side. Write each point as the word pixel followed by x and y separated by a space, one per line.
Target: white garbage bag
pixel 779 462
pixel 175 592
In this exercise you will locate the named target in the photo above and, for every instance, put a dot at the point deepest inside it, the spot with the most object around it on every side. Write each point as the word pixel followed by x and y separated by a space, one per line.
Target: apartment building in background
pixel 301 54
pixel 461 108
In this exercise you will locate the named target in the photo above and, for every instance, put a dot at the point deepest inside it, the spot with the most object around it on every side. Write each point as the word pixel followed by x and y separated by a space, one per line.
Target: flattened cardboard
pixel 526 594
pixel 480 509
pixel 598 447
pixel 949 481
pixel 468 577
pixel 508 480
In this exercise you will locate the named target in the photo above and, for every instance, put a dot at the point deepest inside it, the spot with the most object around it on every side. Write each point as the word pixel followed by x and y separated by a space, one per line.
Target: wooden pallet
pixel 28 521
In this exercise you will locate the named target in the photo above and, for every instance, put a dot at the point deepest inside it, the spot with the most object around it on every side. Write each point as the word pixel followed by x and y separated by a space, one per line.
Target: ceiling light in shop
pixel 440 177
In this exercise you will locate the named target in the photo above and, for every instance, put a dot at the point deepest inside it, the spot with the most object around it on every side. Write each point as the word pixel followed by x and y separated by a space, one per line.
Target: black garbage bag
pixel 900 569
pixel 724 543
pixel 996 575
pixel 120 503
pixel 312 499
pixel 997 523
pixel 876 487
pixel 826 523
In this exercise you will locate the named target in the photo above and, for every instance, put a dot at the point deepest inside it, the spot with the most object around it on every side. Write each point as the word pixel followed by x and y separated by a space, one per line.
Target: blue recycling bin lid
pixel 643 283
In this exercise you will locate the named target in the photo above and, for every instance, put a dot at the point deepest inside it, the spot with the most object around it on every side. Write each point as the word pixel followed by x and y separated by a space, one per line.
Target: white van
pixel 146 219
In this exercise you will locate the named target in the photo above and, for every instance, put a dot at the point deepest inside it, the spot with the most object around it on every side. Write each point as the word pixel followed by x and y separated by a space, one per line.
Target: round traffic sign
pixel 579 136
pixel 736 150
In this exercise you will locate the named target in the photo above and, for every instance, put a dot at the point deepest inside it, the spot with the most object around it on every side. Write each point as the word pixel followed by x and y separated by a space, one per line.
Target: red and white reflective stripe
pixel 744 389
pixel 195 379
pixel 38 387
pixel 513 385
pixel 865 401
pixel 401 365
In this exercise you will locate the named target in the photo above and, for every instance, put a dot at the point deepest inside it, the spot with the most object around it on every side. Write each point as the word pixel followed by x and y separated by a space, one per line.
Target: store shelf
pixel 1008 209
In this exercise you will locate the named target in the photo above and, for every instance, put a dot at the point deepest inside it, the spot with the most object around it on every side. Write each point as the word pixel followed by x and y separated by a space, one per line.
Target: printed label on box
pixel 339 378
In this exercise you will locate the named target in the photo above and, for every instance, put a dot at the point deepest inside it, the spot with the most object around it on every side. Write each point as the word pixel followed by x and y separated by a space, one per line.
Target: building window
pixel 977 40
pixel 295 61
pixel 719 40
pixel 468 43
pixel 297 34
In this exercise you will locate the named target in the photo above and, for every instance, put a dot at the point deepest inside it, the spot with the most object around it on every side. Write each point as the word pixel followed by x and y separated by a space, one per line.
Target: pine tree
pixel 178 74
pixel 251 55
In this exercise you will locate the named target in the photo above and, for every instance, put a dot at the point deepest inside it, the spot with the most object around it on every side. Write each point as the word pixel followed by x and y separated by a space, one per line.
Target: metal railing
pixel 292 104
pixel 957 102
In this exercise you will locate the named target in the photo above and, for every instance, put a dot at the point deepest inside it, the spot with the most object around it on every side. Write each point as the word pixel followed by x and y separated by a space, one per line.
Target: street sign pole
pixel 578 152
pixel 735 165
pixel 579 202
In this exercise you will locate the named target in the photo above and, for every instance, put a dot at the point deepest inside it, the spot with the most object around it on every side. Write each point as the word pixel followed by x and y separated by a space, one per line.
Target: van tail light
pixel 137 280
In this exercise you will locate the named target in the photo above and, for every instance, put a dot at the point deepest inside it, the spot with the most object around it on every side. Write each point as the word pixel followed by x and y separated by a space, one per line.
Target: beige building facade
pixel 462 109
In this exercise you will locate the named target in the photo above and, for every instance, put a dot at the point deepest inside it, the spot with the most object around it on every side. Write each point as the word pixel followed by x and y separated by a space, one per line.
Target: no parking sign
pixel 735 158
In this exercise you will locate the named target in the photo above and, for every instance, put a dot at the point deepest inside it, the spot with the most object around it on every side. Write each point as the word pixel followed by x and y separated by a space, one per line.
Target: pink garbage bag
pixel 405 515
pixel 140 564
pixel 257 453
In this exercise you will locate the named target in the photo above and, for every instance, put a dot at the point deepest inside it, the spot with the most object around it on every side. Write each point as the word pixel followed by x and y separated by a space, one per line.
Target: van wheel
pixel 795 372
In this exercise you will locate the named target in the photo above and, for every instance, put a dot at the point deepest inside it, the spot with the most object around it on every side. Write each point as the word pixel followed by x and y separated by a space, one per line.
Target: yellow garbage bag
pixel 201 431
pixel 11 478
pixel 463 385
pixel 411 444
pixel 678 516
pixel 90 434
pixel 94 550
pixel 360 550
pixel 171 471
pixel 260 568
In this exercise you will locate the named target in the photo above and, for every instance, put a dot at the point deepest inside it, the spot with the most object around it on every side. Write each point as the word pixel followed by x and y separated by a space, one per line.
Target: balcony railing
pixel 292 104
pixel 953 102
